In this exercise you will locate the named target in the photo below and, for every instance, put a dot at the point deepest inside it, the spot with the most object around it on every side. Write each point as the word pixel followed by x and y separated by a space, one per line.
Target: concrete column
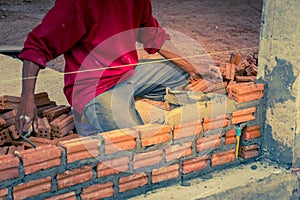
pixel 279 69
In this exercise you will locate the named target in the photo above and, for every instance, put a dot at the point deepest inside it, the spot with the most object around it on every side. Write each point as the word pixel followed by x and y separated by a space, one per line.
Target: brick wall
pixel 128 162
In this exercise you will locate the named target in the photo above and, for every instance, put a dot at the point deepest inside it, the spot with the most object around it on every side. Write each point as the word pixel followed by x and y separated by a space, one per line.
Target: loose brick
pixel 114 166
pixel 43 157
pixel 187 129
pixel 178 151
pixel 222 158
pixel 43 129
pixel 250 147
pixel 165 173
pixel 208 142
pixel 66 196
pixel 3 193
pixel 98 191
pixel 132 182
pixel 119 140
pixel 42 141
pixel 9 167
pixel 152 134
pixel 13 131
pixel 195 164
pixel 235 58
pixel 147 159
pixel 81 148
pixel 251 132
pixel 213 123
pixel 230 71
pixel 243 115
pixel 32 188
pixel 249 154
pixel 74 177
pixel 4 136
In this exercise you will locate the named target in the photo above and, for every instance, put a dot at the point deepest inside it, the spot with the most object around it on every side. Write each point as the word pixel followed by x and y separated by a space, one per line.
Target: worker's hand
pixel 27 114
pixel 210 73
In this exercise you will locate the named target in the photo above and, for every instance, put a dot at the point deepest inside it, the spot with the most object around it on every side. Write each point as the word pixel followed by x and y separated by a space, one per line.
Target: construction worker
pixel 102 72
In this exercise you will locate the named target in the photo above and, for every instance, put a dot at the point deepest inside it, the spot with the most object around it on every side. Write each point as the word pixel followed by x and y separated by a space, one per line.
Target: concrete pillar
pixel 279 69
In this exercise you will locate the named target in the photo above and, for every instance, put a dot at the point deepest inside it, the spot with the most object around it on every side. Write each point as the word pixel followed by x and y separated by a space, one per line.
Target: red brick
pixel 230 71
pixel 133 181
pixel 208 142
pixel 9 167
pixel 235 58
pixel 119 140
pixel 98 191
pixel 81 148
pixel 13 131
pixel 222 158
pixel 230 137
pixel 243 115
pixel 251 132
pixel 249 154
pixel 213 123
pixel 250 147
pixel 74 177
pixel 151 134
pixel 187 129
pixel 3 193
pixel 114 166
pixel 249 88
pixel 230 140
pixel 65 196
pixel 43 157
pixel 178 151
pixel 32 188
pixel 195 164
pixel 165 173
pixel 4 136
pixel 42 141
pixel 147 159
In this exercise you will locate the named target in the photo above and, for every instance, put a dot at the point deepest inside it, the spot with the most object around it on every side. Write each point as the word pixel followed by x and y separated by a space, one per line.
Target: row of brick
pixel 48 156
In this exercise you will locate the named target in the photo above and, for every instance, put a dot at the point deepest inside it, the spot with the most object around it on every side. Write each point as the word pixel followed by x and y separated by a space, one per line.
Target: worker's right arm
pixel 27 105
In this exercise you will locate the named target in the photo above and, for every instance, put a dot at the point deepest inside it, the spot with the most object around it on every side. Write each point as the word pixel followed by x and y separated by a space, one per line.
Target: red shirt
pixel 97 38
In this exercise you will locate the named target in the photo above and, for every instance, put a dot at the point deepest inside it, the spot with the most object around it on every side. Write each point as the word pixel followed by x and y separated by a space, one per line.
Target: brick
pixel 41 158
pixel 251 132
pixel 119 140
pixel 230 71
pixel 178 151
pixel 246 92
pixel 74 177
pixel 133 181
pixel 147 159
pixel 243 115
pixel 245 78
pixel 152 134
pixel 32 188
pixel 4 136
pixel 3 150
pixel 98 191
pixel 165 173
pixel 247 97
pixel 113 166
pixel 235 58
pixel 208 142
pixel 65 196
pixel 248 148
pixel 44 128
pixel 81 148
pixel 42 141
pixel 214 123
pixel 195 164
pixel 13 131
pixel 187 129
pixel 3 193
pixel 9 167
pixel 249 154
pixel 230 137
pixel 222 158
pixel 51 113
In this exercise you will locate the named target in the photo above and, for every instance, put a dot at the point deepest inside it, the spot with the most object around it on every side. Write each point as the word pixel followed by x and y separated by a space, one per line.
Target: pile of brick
pixel 238 80
pixel 54 122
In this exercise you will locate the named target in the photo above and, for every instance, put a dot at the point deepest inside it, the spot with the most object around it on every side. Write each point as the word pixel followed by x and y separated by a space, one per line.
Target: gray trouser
pixel 115 108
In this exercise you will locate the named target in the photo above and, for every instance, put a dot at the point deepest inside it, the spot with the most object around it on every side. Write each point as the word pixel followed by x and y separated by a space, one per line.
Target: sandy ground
pixel 197 26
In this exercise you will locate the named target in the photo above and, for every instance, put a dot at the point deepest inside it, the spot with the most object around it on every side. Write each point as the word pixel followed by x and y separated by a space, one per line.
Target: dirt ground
pixel 219 27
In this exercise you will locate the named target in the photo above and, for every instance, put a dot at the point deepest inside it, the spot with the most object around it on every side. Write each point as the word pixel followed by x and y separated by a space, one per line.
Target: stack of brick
pixel 48 112
pixel 238 80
